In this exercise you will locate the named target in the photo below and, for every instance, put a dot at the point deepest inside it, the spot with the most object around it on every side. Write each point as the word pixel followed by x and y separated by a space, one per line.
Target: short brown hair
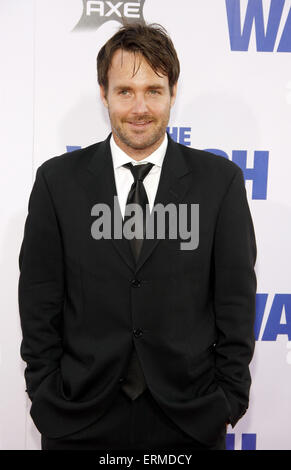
pixel 152 41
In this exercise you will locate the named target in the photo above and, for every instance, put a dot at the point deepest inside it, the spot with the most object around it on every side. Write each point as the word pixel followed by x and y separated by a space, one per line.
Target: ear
pixel 103 97
pixel 173 97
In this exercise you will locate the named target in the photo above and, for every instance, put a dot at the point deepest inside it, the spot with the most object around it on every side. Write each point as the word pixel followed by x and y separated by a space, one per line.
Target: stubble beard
pixel 140 142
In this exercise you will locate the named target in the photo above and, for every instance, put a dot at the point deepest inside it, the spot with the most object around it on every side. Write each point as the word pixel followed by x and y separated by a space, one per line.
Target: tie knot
pixel 139 172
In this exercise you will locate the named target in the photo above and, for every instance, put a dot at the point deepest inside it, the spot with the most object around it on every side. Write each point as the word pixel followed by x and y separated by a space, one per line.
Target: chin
pixel 141 144
pixel 143 141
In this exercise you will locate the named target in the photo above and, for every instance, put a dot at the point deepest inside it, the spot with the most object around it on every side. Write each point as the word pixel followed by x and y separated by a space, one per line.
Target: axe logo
pixel 96 13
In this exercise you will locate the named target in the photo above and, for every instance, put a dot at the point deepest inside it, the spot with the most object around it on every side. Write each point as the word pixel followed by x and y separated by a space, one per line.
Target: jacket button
pixel 135 283
pixel 121 379
pixel 137 332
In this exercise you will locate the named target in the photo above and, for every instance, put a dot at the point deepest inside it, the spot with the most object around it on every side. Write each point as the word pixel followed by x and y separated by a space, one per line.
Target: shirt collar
pixel 119 157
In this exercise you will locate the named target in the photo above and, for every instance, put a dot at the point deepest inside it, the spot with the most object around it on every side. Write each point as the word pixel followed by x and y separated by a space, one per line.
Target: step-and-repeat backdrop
pixel 234 98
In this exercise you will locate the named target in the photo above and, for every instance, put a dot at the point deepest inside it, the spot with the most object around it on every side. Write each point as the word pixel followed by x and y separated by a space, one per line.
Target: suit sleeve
pixel 234 296
pixel 41 287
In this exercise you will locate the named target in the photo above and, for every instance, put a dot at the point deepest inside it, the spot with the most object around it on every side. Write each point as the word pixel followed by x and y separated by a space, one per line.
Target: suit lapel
pixel 100 185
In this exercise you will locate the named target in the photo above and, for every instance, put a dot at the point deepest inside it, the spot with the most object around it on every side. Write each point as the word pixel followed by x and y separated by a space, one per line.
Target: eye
pixel 154 92
pixel 123 92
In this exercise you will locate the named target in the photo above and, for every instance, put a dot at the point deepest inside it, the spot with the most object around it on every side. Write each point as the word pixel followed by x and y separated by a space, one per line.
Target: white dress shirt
pixel 124 177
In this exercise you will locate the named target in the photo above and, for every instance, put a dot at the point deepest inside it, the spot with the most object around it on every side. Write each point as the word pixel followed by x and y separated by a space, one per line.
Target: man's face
pixel 139 106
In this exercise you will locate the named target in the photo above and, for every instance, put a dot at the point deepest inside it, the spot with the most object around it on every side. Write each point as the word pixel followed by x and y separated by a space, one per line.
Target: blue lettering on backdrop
pixel 258 174
pixel 71 148
pixel 274 324
pixel 180 135
pixel 240 37
pixel 261 300
pixel 248 441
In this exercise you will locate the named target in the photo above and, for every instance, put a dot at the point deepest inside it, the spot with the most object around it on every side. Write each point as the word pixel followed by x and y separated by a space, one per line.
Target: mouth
pixel 140 124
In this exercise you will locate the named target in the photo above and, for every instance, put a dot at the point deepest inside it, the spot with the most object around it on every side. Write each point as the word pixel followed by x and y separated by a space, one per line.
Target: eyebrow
pixel 150 87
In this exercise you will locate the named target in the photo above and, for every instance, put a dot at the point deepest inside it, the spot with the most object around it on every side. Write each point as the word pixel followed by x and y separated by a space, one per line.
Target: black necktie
pixel 138 195
pixel 134 383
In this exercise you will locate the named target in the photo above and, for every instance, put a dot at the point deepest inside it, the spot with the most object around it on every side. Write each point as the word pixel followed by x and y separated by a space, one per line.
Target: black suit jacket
pixel 81 300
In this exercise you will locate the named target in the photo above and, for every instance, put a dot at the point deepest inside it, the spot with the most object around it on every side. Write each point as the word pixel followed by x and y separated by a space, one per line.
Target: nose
pixel 139 104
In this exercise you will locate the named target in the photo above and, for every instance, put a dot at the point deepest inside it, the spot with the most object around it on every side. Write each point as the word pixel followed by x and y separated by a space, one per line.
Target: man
pixel 134 342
